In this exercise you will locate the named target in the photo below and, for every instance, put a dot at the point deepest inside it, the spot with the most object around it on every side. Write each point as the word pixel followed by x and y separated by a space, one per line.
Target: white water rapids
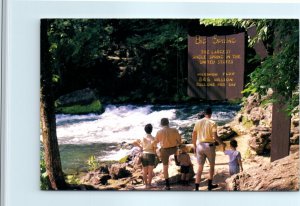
pixel 80 136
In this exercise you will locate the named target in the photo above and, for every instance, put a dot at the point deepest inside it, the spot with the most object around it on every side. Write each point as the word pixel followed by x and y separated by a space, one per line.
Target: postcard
pixel 169 104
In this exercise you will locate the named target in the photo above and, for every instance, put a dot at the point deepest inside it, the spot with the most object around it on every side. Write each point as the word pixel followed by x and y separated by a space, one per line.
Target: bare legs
pixel 148 175
pixel 166 172
pixel 211 170
pixel 145 175
pixel 185 179
pixel 199 173
pixel 211 176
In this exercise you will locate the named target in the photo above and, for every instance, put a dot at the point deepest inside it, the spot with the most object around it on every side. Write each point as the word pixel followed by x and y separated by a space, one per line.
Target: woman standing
pixel 148 156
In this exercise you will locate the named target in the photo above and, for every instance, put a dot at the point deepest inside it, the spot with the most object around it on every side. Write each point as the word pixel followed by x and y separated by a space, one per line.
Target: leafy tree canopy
pixel 138 58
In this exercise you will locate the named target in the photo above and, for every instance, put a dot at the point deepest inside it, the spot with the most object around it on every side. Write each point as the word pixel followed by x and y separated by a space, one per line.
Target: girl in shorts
pixel 148 156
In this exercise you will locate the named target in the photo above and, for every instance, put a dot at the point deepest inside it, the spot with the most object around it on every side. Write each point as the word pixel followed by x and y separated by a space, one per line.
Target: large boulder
pixel 295 121
pixel 81 97
pixel 294 136
pixel 104 179
pixel 280 175
pixel 118 171
pixel 256 115
pixel 267 118
pixel 225 132
pixel 95 178
pixel 260 140
pixel 103 169
pixel 252 102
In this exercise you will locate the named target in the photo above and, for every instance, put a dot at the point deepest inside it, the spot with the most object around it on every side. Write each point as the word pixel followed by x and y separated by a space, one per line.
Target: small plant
pixel 247 123
pixel 44 179
pixel 92 163
pixel 72 179
pixel 123 159
pixel 94 107
pixel 248 153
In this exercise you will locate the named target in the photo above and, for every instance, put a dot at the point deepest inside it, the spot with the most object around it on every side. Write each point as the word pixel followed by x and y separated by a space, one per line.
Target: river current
pixel 81 136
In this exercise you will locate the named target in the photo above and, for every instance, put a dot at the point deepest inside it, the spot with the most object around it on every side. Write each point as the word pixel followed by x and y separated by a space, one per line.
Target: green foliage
pixel 124 59
pixel 44 179
pixel 72 179
pixel 124 159
pixel 92 163
pixel 247 123
pixel 248 153
pixel 249 89
pixel 280 70
pixel 145 60
pixel 94 107
pixel 262 26
pixel 55 78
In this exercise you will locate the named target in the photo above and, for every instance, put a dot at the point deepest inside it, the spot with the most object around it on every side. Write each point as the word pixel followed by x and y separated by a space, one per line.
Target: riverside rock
pixel 84 96
pixel 260 140
pixel 95 178
pixel 104 179
pixel 225 132
pixel 103 169
pixel 280 175
pixel 117 171
pixel 252 102
pixel 256 115
pixel 295 121
pixel 294 140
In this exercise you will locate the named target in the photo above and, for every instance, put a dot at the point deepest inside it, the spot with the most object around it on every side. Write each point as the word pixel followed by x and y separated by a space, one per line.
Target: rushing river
pixel 81 136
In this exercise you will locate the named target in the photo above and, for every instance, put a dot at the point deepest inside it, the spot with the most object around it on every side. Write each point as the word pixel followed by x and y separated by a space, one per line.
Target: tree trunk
pixel 52 156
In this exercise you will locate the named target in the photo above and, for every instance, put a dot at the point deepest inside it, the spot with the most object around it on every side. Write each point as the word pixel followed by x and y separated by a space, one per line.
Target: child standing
pixel 185 163
pixel 235 160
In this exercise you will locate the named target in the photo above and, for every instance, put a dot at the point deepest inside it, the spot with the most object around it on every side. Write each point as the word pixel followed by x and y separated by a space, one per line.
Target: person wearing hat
pixel 203 138
pixel 169 140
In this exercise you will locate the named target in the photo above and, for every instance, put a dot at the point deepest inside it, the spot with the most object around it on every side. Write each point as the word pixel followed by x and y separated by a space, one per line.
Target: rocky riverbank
pixel 280 175
pixel 255 118
pixel 251 128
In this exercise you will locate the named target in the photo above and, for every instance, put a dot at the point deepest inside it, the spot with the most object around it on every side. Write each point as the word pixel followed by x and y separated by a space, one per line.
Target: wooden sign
pixel 216 66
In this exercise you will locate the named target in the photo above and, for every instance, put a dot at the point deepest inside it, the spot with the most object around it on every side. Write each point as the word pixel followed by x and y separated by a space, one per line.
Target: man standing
pixel 203 138
pixel 169 139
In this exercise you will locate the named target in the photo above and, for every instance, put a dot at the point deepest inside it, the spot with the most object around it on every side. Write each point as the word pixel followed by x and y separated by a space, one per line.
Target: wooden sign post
pixel 280 138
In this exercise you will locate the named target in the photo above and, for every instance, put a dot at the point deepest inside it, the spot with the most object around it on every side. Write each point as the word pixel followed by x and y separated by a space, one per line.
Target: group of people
pixel 204 138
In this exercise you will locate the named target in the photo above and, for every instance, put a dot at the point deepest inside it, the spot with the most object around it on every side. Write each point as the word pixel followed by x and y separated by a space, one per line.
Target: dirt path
pixel 221 171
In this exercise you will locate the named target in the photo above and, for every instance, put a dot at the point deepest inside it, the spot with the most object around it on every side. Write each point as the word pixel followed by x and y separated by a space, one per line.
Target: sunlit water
pixel 80 136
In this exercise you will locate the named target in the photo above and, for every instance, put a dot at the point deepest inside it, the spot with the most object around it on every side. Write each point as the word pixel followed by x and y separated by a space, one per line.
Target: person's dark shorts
pixel 166 153
pixel 148 159
pixel 184 169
